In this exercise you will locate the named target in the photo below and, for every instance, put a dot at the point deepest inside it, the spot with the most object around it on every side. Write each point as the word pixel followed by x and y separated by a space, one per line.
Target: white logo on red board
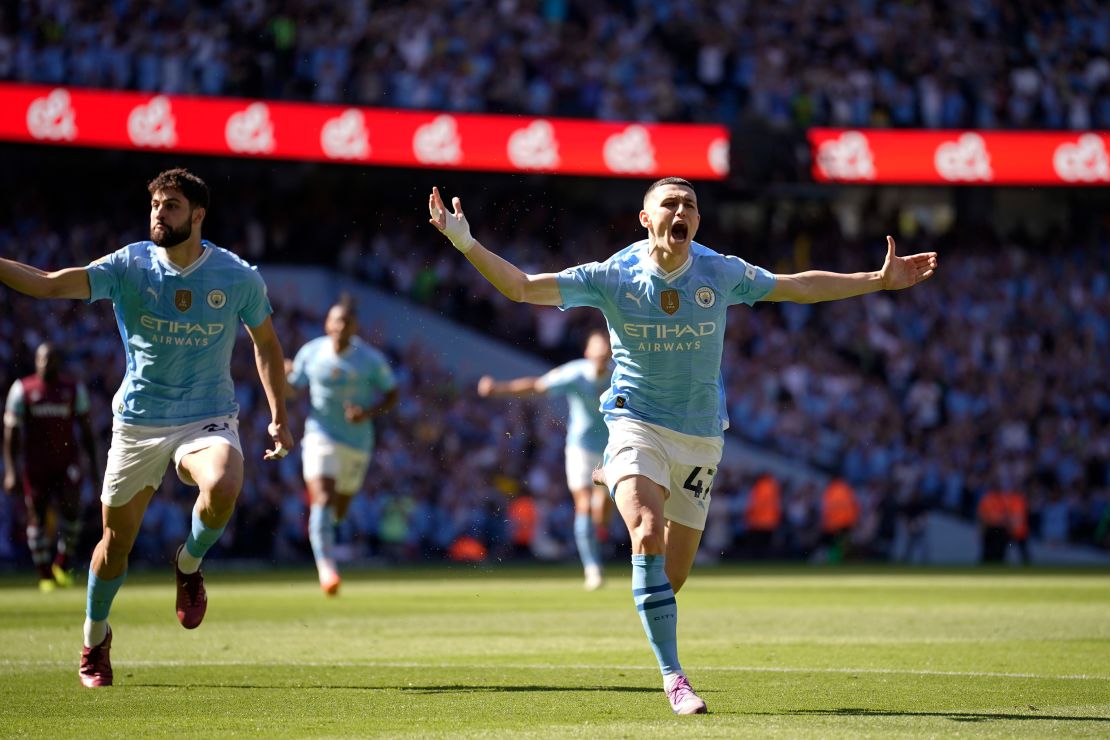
pixel 250 131
pixel 346 136
pixel 965 159
pixel 630 150
pixel 152 124
pixel 52 117
pixel 718 156
pixel 534 147
pixel 438 142
pixel 1082 161
pixel 847 157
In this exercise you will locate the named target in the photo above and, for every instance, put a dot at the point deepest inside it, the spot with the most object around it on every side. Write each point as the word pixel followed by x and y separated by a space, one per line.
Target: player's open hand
pixel 903 272
pixel 485 386
pixel 354 413
pixel 282 439
pixel 452 225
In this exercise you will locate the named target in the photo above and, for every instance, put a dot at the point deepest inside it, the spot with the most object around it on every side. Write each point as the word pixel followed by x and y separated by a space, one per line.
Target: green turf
pixel 526 653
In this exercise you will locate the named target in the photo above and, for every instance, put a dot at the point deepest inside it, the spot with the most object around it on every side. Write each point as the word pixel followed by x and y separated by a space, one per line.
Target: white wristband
pixel 457 231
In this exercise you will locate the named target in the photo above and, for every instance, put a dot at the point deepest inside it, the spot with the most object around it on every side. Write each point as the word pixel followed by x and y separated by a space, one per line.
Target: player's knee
pixel 117 544
pixel 224 492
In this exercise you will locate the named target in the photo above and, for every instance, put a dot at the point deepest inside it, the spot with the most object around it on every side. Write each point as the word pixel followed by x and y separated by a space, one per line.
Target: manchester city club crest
pixel 216 298
pixel 705 297
pixel 668 301
pixel 183 299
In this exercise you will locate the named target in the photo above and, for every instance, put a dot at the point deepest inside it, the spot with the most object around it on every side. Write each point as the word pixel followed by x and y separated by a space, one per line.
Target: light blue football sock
pixel 654 597
pixel 197 544
pixel 321 534
pixel 100 595
pixel 585 537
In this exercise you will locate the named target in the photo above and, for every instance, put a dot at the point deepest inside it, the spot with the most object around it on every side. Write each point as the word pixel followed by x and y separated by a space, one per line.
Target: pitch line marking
pixel 550 667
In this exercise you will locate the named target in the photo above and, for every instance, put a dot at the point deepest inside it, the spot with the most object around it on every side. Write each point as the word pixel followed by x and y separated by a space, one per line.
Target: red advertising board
pixel 373 136
pixel 879 156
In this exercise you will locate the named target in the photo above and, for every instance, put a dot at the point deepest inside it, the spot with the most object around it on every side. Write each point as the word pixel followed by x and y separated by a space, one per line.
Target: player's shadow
pixel 456 689
pixel 466 689
pixel 955 716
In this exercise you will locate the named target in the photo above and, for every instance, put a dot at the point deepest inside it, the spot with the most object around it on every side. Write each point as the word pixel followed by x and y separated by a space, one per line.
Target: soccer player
pixel 40 443
pixel 178 300
pixel 582 382
pixel 665 299
pixel 349 383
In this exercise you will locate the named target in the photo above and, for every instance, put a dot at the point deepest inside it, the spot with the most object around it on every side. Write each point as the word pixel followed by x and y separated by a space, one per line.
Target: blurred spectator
pixel 994 526
pixel 840 513
pixel 762 516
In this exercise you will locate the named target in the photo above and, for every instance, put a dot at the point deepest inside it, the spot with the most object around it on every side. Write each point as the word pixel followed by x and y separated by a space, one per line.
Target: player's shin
pixel 321 535
pixel 200 540
pixel 658 610
pixel 99 597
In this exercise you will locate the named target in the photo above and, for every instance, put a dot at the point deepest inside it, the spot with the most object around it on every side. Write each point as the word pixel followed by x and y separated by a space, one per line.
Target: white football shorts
pixel 684 465
pixel 323 457
pixel 139 454
pixel 580 467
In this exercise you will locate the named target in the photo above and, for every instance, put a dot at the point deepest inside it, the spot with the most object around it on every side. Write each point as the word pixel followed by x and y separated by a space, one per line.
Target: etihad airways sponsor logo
pixel 179 333
pixel 670 331
pixel 667 337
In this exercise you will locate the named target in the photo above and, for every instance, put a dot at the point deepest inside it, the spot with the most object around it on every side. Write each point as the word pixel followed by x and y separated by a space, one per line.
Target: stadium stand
pixel 1037 64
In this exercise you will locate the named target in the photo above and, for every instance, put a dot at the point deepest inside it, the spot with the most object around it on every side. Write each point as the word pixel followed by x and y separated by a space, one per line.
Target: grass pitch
pixel 453 652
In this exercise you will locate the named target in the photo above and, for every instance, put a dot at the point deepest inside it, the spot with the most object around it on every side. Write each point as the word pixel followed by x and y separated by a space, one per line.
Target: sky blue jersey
pixel 667 331
pixel 178 328
pixel 359 375
pixel 583 386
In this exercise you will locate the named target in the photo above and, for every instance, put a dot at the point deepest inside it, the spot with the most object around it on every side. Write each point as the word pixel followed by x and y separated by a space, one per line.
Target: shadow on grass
pixel 459 689
pixel 954 716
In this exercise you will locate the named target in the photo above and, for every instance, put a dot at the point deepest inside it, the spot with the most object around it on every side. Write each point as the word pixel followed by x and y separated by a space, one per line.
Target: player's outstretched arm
pixel 271 371
pixel 518 387
pixel 514 284
pixel 814 286
pixel 72 282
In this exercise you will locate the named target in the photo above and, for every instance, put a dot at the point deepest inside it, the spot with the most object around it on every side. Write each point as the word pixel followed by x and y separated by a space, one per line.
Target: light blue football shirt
pixel 667 331
pixel 582 386
pixel 178 329
pixel 359 375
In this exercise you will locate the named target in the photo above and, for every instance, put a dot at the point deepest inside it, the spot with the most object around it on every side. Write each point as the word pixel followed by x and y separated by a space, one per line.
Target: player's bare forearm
pixel 358 414
pixel 814 286
pixel 512 282
pixel 72 282
pixel 11 449
pixel 271 371
pixel 517 387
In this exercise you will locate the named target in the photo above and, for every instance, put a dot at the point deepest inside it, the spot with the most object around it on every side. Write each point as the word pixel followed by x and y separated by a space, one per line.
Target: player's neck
pixel 185 253
pixel 669 259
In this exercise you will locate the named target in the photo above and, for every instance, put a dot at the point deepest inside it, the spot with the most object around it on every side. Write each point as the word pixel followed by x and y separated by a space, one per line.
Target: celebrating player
pixel 39 441
pixel 349 383
pixel 582 382
pixel 665 299
pixel 178 300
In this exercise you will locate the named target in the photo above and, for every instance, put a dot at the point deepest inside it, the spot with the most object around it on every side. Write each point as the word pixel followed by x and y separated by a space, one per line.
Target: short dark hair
pixel 346 301
pixel 668 181
pixel 192 187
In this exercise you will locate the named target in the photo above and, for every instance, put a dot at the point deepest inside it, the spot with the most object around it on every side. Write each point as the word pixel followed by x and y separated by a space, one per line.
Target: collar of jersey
pixel 677 272
pixel 173 269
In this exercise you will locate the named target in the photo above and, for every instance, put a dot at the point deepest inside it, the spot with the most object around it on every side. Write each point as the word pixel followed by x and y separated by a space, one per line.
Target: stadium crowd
pixel 990 380
pixel 1031 64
